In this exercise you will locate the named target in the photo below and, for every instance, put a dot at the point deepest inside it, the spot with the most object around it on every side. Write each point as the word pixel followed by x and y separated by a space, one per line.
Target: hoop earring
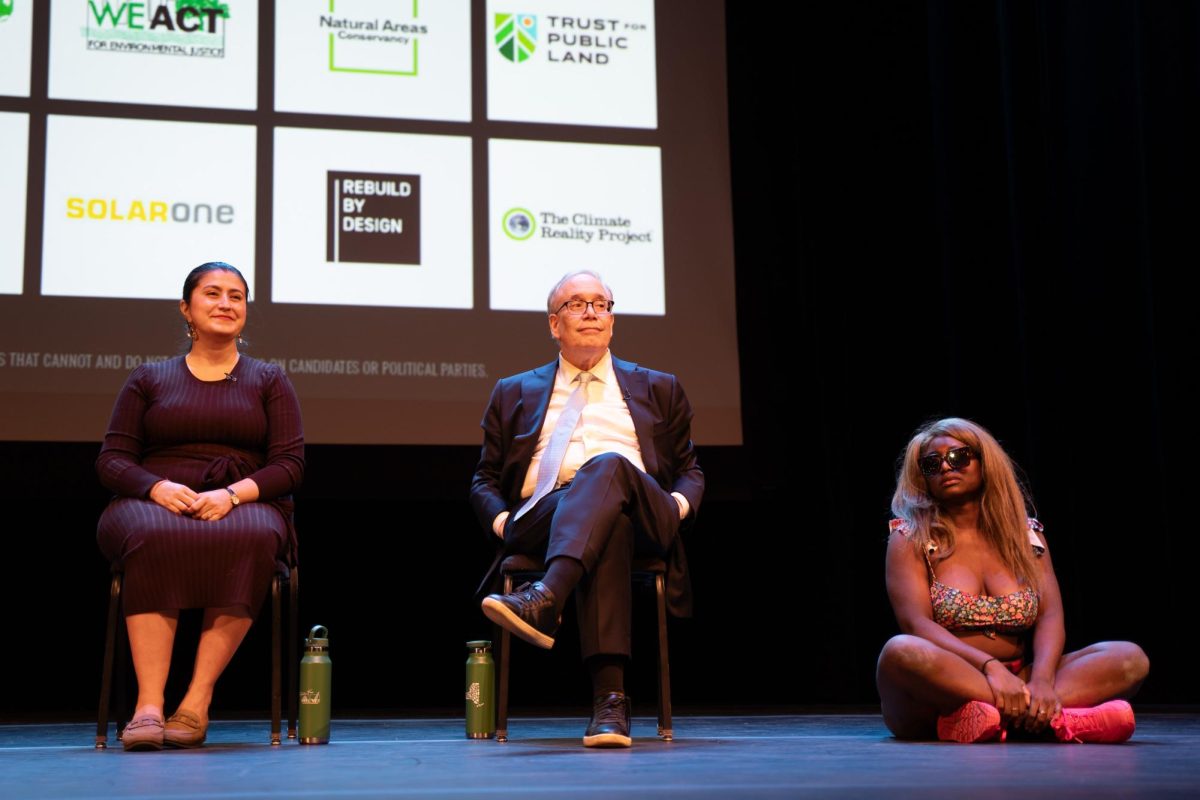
pixel 189 331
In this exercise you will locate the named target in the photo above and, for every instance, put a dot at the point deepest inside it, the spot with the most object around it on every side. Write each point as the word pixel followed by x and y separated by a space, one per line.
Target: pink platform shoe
pixel 1107 723
pixel 971 722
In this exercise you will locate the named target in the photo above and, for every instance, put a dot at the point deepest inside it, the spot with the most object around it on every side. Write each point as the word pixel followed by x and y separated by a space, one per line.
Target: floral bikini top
pixel 956 610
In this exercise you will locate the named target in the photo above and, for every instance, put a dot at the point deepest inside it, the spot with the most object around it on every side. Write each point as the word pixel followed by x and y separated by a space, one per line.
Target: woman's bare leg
pixel 1100 672
pixel 221 631
pixel 151 637
pixel 919 681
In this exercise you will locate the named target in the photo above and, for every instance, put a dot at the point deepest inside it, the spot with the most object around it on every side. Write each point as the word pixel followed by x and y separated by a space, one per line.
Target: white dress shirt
pixel 605 426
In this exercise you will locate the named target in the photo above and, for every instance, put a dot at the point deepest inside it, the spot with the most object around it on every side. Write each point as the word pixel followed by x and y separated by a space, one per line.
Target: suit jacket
pixel 662 421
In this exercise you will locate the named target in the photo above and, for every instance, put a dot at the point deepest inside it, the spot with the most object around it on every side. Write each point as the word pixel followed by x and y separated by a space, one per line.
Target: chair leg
pixel 293 651
pixel 106 675
pixel 503 640
pixel 276 665
pixel 665 730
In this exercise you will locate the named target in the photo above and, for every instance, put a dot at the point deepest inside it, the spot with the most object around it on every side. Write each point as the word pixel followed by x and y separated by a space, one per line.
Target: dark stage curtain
pixel 978 209
pixel 983 210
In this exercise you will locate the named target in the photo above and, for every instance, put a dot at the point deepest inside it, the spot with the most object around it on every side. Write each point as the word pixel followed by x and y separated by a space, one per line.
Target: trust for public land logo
pixel 192 28
pixel 516 36
pixel 373 218
pixel 6 9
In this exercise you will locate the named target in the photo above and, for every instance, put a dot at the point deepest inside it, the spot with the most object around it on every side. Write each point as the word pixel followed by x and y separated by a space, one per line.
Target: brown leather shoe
pixel 610 722
pixel 143 733
pixel 185 729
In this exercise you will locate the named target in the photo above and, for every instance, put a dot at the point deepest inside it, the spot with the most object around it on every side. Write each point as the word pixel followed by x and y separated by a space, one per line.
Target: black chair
pixel 116 630
pixel 645 570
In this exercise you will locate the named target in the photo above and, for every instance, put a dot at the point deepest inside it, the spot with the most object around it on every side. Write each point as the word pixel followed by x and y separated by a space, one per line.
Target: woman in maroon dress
pixel 203 452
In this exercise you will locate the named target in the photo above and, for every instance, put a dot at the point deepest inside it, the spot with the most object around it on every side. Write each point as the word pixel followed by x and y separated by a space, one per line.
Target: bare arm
pixel 1049 636
pixel 908 589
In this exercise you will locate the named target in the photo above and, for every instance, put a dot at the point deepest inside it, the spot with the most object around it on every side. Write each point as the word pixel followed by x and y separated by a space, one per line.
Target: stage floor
pixel 712 756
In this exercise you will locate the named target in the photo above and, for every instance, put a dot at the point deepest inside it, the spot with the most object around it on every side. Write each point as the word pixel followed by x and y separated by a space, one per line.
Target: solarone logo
pixel 520 224
pixel 193 28
pixel 361 39
pixel 113 209
pixel 575 40
pixel 373 218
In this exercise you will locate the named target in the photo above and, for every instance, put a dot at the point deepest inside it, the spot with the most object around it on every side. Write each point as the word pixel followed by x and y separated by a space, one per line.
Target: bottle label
pixel 473 694
pixel 310 698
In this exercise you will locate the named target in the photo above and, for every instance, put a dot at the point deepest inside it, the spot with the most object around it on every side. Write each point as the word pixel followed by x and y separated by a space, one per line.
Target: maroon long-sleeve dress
pixel 167 423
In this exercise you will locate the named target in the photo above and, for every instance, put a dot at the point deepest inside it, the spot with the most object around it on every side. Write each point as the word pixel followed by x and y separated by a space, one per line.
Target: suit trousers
pixel 608 513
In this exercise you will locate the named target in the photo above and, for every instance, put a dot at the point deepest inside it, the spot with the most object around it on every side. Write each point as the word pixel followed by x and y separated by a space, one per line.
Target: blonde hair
pixel 1004 504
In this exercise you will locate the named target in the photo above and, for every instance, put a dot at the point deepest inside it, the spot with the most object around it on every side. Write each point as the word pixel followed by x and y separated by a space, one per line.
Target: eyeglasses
pixel 958 458
pixel 577 306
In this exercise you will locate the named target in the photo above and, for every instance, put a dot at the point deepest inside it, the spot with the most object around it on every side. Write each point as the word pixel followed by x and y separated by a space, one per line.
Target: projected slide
pixel 584 62
pixel 167 52
pixel 16 26
pixel 401 181
pixel 14 134
pixel 379 58
pixel 131 203
pixel 556 206
pixel 372 219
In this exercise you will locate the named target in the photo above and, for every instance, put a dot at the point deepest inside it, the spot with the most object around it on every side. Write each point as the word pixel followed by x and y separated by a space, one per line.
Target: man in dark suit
pixel 586 461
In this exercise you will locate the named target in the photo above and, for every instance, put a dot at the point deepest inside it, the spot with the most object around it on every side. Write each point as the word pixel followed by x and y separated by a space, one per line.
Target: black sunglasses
pixel 958 458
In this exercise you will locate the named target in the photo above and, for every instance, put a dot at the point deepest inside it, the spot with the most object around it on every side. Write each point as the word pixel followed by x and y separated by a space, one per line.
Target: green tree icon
pixel 516 36
pixel 202 4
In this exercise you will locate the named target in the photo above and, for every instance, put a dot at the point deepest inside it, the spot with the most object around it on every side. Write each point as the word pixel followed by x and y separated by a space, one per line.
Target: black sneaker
pixel 529 612
pixel 610 722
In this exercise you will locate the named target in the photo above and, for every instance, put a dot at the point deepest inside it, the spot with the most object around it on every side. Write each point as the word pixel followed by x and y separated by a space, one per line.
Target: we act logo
pixel 516 36
pixel 193 28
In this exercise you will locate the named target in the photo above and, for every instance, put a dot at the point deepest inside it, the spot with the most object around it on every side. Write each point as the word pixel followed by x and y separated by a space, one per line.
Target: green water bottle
pixel 481 691
pixel 316 678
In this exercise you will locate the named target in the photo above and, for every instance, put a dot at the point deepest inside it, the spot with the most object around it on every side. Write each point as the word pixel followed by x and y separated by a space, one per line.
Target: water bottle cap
pixel 317 637
pixel 479 644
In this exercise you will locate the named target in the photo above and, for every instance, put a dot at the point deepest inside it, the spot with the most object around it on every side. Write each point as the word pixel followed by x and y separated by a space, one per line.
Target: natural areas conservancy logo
pixel 361 40
pixel 516 36
pixel 580 226
pixel 114 209
pixel 519 224
pixel 6 9
pixel 569 40
pixel 373 218
pixel 194 28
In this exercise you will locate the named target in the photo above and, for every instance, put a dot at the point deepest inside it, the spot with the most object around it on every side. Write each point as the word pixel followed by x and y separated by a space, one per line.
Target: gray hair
pixel 550 307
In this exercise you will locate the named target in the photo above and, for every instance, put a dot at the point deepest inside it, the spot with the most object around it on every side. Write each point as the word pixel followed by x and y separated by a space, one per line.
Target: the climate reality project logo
pixel 194 28
pixel 373 218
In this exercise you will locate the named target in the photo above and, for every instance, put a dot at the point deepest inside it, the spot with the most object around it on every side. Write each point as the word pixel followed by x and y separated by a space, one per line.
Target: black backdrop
pixel 984 209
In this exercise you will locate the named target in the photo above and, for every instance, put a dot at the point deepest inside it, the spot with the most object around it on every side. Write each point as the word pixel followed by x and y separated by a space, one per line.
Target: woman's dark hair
pixel 193 278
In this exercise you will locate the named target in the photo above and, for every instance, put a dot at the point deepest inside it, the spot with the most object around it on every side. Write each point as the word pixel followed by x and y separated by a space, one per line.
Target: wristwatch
pixel 233 495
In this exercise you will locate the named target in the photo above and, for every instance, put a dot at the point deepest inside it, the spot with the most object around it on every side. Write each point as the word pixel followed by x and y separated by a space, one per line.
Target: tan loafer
pixel 143 733
pixel 185 729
